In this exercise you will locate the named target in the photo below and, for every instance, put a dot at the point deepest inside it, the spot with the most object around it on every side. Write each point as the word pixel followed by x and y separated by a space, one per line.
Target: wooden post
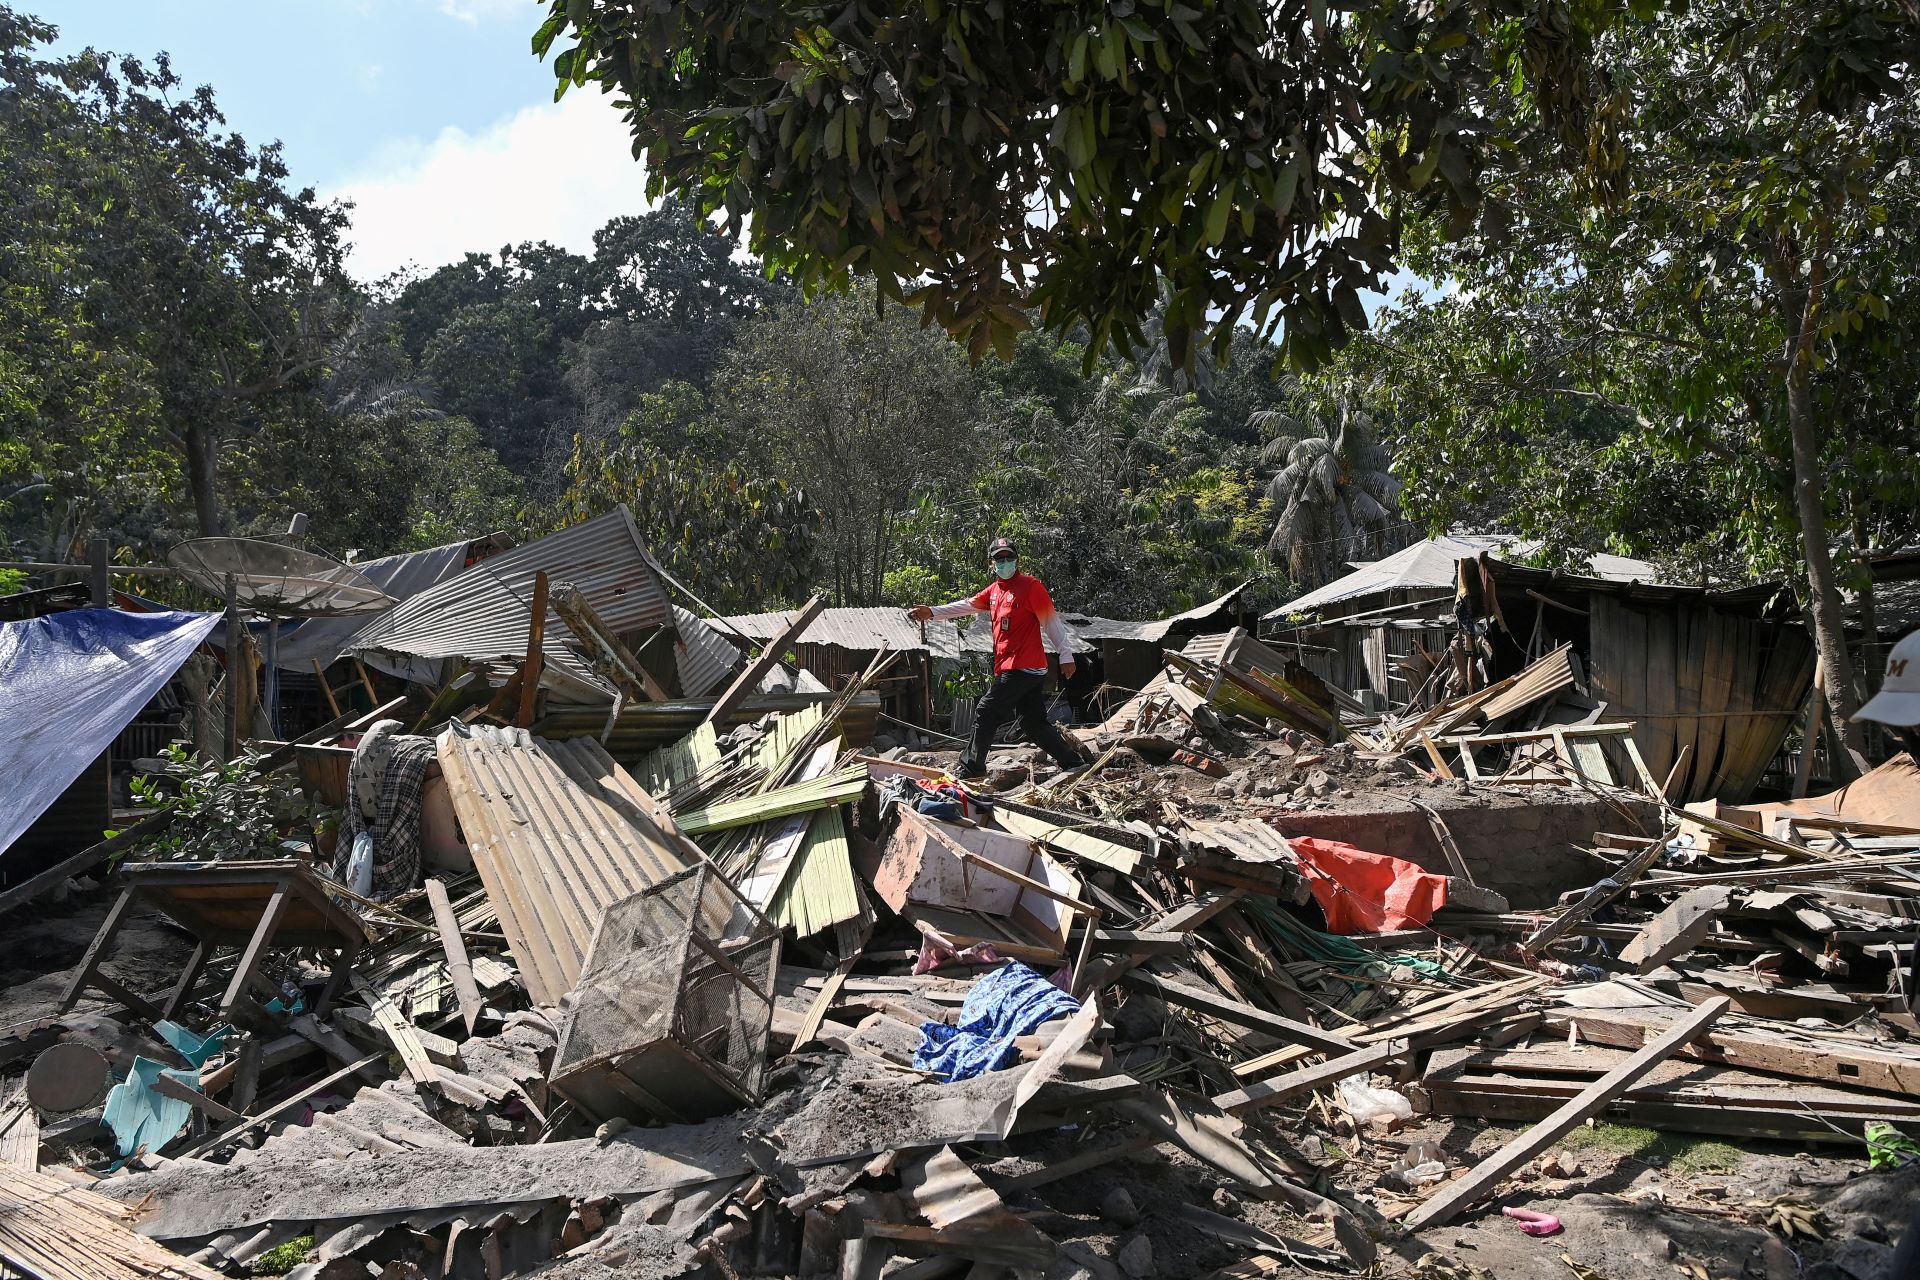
pixel 1810 735
pixel 536 655
pixel 99 590
pixel 232 745
pixel 743 684
pixel 326 690
pixel 459 967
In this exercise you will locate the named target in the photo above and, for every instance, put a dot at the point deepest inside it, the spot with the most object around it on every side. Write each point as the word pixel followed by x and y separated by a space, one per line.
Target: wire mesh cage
pixel 674 1006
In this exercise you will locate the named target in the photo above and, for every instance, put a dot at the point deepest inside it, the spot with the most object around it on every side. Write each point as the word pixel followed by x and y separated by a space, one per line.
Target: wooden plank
pixel 1823 1059
pixel 1280 1088
pixel 1681 927
pixel 459 967
pixel 749 678
pixel 337 1046
pixel 829 992
pixel 168 1087
pixel 1440 765
pixel 1487 1175
pixel 536 652
pixel 606 655
pixel 406 1042
pixel 20 1133
pixel 1081 844
pixel 1141 942
pixel 1471 1007
pixel 257 946
pixel 1238 1013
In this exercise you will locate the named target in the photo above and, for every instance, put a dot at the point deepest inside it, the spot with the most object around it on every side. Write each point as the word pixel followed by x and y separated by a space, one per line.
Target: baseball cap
pixel 1898 702
pixel 1002 547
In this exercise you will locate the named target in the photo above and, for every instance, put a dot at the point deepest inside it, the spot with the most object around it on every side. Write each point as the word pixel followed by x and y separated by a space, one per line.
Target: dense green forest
pixel 1641 361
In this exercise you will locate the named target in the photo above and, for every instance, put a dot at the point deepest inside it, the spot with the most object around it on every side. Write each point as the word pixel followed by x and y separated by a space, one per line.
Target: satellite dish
pixel 278 581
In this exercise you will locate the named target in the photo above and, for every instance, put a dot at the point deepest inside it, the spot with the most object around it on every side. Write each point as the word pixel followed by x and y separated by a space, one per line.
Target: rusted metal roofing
pixel 482 614
pixel 559 832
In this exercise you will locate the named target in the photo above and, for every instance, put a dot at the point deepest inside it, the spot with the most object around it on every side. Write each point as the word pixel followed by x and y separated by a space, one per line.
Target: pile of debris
pixel 755 1001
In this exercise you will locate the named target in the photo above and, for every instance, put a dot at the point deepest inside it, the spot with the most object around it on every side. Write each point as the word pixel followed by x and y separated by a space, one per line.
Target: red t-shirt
pixel 1018 607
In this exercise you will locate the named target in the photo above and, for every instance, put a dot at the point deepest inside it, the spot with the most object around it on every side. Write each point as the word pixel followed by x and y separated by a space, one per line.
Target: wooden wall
pixel 1724 685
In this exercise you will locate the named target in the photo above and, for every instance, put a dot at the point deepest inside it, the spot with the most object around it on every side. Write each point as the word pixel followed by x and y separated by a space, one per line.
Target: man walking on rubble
pixel 1022 613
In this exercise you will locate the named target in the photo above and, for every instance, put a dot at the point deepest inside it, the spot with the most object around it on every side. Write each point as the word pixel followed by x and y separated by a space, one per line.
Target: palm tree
pixel 1335 497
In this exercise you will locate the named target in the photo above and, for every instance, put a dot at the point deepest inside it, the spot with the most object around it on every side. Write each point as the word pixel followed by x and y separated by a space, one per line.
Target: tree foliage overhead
pixel 983 157
pixel 173 290
pixel 1705 367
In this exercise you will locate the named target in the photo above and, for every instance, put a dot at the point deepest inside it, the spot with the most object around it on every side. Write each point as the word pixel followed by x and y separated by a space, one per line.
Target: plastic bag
pixel 1364 1102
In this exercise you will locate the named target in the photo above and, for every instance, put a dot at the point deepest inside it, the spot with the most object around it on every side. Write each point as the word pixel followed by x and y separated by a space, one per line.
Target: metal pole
pixel 233 666
pixel 100 591
pixel 270 679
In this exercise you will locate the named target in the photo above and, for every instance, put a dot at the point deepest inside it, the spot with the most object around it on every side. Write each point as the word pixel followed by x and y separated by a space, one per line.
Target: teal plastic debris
pixel 138 1116
pixel 191 1045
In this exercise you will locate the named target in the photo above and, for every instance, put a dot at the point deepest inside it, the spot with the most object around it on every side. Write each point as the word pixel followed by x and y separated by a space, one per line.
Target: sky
pixel 432 116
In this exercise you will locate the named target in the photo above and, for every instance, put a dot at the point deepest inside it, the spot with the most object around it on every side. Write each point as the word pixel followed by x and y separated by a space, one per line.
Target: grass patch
pixel 282 1258
pixel 1678 1152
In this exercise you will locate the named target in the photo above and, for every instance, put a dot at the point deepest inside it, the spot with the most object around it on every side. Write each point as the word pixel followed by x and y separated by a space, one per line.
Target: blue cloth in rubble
pixel 1008 1003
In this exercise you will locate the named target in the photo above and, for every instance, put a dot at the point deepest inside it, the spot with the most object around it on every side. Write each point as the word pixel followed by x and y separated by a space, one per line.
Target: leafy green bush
pixel 222 812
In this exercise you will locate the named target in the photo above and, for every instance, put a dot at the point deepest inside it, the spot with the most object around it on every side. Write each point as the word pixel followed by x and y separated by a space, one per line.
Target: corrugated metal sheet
pixel 1430 566
pixel 706 659
pixel 403 576
pixel 559 832
pixel 483 613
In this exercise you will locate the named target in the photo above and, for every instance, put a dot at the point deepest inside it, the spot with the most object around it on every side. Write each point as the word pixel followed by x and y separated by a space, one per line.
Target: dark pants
pixel 1015 693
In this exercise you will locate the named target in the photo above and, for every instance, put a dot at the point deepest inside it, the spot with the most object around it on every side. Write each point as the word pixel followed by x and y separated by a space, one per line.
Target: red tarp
pixel 1361 892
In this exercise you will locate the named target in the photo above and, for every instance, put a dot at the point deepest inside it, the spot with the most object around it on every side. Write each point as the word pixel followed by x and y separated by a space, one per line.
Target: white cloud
pixel 474 12
pixel 552 172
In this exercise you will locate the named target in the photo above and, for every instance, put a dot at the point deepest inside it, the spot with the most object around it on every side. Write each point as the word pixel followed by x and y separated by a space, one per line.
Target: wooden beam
pixel 1487 1175
pixel 536 654
pixel 1306 1079
pixel 220 1140
pixel 615 660
pixel 168 1087
pixel 1237 1013
pixel 459 967
pixel 1680 928
pixel 326 690
pixel 749 678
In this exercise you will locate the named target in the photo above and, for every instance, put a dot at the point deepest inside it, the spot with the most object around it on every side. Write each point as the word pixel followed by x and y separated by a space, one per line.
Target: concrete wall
pixel 1527 843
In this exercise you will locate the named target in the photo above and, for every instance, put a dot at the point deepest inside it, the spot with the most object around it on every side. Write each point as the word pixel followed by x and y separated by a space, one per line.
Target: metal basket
pixel 674 1006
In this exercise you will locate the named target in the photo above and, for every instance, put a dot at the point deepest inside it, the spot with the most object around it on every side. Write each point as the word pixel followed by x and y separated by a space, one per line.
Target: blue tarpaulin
pixel 69 682
pixel 1008 1003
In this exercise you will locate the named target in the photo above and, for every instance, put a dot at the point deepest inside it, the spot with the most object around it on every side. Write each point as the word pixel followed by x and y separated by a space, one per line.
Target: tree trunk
pixel 201 480
pixel 1809 495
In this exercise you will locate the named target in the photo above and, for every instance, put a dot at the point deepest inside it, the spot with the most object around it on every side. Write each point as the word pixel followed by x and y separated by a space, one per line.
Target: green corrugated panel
pixel 819 891
pixel 834 788
pixel 677 761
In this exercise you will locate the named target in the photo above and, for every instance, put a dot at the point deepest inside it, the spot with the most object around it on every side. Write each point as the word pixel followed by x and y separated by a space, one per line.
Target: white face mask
pixel 1004 569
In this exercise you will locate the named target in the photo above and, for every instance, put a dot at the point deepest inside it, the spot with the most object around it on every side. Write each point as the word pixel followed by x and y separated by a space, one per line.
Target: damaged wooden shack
pixel 693 981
